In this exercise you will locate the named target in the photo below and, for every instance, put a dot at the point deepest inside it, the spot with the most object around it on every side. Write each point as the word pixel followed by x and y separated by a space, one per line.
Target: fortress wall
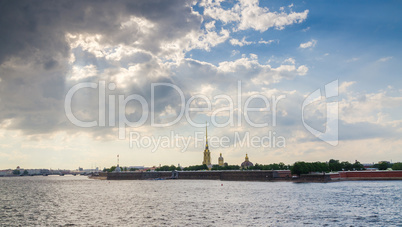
pixel 335 175
pixel 247 175
pixel 263 175
pixel 284 173
pixel 363 175
pixel 200 175
pixel 124 176
pixel 166 174
pixel 312 178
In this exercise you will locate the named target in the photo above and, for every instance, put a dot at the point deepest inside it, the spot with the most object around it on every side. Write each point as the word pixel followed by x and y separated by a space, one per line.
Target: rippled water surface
pixel 69 200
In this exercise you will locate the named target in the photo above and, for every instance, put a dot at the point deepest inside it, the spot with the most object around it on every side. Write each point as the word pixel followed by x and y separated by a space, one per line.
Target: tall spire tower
pixel 118 169
pixel 207 153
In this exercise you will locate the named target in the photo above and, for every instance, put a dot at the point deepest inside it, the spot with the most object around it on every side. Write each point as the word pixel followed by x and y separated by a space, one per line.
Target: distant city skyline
pixel 280 81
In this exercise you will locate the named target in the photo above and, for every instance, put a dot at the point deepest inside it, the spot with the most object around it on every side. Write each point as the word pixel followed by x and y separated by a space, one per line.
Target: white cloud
pixel 196 39
pixel 247 14
pixel 250 68
pixel 243 42
pixel 261 19
pixel 234 52
pixel 254 56
pixel 345 85
pixel 213 9
pixel 309 44
pixel 266 42
pixel 352 60
pixel 210 39
pixel 79 73
pixel 368 107
pixel 384 59
pixel 139 23
pixel 302 70
pixel 290 60
pixel 90 43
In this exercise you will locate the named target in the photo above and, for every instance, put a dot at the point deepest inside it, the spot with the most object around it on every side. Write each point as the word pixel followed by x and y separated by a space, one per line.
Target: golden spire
pixel 206 135
pixel 207 154
pixel 206 130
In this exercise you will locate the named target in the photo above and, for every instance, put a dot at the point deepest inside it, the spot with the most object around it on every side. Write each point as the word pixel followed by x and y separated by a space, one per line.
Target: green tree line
pixel 113 168
pixel 226 167
pixel 383 165
pixel 167 168
pixel 397 166
pixel 333 165
pixel 273 166
pixel 297 168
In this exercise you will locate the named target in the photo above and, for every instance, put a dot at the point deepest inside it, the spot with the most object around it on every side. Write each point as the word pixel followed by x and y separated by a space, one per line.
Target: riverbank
pixel 98 177
pixel 258 175
pixel 255 175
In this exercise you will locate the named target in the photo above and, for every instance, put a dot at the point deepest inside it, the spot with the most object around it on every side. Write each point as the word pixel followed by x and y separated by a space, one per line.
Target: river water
pixel 77 200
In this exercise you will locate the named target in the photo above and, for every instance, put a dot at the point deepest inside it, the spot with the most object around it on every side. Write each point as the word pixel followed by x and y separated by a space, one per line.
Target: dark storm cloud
pixel 39 27
pixel 35 52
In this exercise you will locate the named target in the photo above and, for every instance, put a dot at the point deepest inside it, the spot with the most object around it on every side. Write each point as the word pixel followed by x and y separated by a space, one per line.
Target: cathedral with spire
pixel 207 153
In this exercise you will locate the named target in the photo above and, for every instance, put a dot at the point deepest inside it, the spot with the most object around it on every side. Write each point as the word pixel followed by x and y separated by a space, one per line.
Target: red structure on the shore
pixel 284 173
pixel 367 175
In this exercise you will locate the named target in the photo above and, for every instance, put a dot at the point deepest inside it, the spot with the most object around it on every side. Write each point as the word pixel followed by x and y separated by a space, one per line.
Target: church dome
pixel 246 163
pixel 220 158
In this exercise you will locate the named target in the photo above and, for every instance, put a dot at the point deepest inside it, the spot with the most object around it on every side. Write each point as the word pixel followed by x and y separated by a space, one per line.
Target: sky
pixel 282 81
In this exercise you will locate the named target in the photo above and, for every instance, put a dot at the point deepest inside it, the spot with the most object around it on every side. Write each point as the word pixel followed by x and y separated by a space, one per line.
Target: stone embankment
pixel 257 175
pixel 367 175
